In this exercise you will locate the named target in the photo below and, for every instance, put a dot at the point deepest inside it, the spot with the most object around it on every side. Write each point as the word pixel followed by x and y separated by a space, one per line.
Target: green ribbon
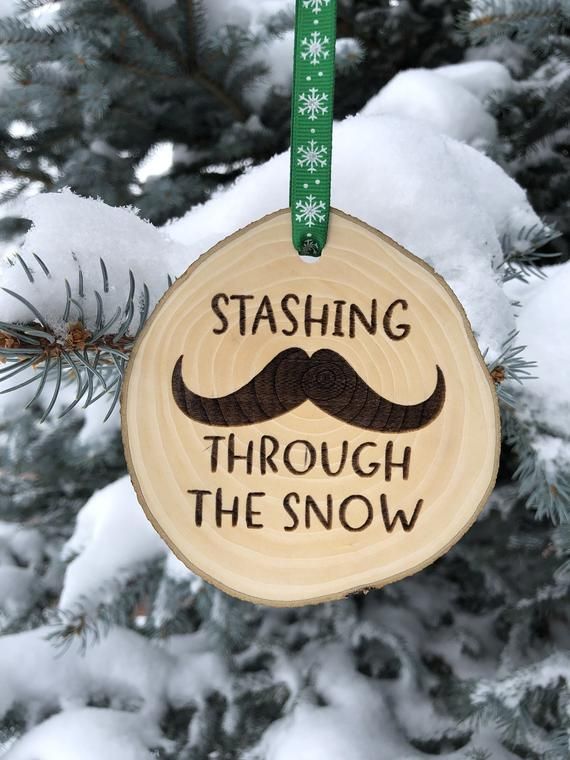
pixel 311 124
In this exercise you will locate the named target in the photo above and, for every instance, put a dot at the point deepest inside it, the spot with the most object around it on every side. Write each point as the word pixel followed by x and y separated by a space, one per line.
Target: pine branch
pixel 141 71
pixel 477 22
pixel 190 14
pixel 200 76
pixel 93 357
pixel 191 67
pixel 86 623
pixel 552 116
pixel 526 20
pixel 548 494
pixel 32 5
pixel 510 365
pixel 522 256
pixel 14 31
pixel 126 9
pixel 34 175
pixel 511 703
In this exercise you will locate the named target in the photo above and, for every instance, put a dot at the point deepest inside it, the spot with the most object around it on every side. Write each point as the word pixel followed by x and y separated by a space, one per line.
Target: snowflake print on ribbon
pixel 315 48
pixel 312 103
pixel 316 5
pixel 311 131
pixel 312 156
pixel 310 211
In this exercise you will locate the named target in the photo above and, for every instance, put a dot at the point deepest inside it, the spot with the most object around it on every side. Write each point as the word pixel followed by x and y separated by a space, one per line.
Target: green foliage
pixel 530 22
pixel 546 492
pixel 533 38
pixel 534 118
pixel 396 36
pixel 46 474
pixel 94 359
pixel 162 82
pixel 98 89
pixel 511 364
pixel 524 256
pixel 104 83
pixel 416 640
pixel 86 624
pixel 107 80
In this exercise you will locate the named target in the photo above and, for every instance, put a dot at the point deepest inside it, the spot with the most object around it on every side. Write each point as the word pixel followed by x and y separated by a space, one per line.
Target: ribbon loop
pixel 311 124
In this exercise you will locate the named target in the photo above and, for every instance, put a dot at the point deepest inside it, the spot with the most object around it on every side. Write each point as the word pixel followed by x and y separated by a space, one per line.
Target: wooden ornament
pixel 300 430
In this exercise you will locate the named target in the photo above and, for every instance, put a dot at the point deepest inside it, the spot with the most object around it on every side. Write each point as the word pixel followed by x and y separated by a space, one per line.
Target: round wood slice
pixel 297 430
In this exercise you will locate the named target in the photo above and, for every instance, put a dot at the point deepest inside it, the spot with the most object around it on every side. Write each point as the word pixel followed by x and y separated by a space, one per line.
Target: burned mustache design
pixel 293 377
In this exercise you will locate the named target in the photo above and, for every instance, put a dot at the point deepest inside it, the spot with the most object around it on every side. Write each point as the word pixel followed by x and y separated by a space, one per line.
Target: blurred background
pixel 136 134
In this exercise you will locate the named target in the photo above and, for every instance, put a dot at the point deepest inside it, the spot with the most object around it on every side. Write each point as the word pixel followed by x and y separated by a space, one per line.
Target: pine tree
pixel 533 38
pixel 169 77
pixel 108 646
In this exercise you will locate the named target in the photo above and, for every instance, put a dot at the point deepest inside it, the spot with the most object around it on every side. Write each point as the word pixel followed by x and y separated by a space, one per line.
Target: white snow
pixel 91 734
pixel 349 53
pixel 157 162
pixel 482 78
pixel 21 554
pixel 125 667
pixel 512 689
pixel 18 590
pixel 177 571
pixel 95 431
pixel 133 673
pixel 335 713
pixel 112 540
pixel 438 197
pixel 26 545
pixel 9 8
pixel 247 14
pixel 5 77
pixel 439 101
pixel 275 55
pixel 11 404
pixel 358 718
pixel 511 53
pixel 552 453
pixel 355 721
pixel 443 200
pixel 199 671
pixel 544 330
pixel 543 404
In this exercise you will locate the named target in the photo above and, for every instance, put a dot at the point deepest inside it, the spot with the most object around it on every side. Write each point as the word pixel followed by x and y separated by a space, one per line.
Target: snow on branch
pixel 537 423
pixel 528 21
pixel 111 541
pixel 139 678
pixel 78 291
pixel 504 700
pixel 75 296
